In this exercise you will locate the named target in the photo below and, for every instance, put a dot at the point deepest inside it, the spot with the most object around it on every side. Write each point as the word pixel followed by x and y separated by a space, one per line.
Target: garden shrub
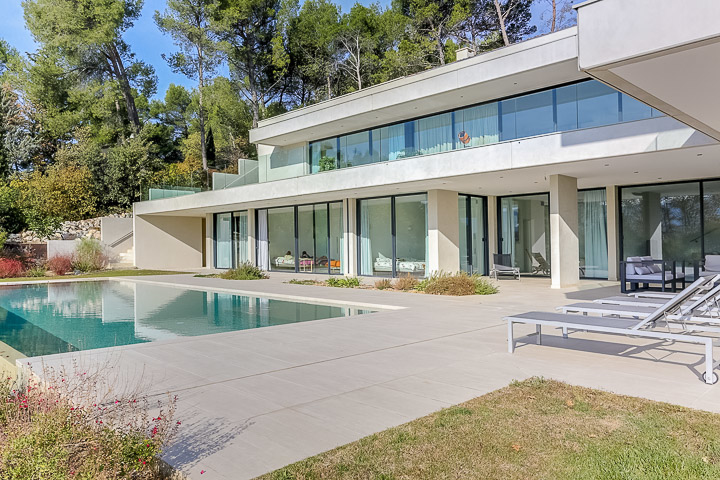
pixel 459 284
pixel 3 237
pixel 347 282
pixel 90 256
pixel 483 286
pixel 406 282
pixel 295 281
pixel 60 264
pixel 245 271
pixel 36 271
pixel 70 427
pixel 10 268
pixel 383 284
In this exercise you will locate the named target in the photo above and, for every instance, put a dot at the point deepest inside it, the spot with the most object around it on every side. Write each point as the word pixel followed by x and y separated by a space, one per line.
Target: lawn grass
pixel 535 429
pixel 106 273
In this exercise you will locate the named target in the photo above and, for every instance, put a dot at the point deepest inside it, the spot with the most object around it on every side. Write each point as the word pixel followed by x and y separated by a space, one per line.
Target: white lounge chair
pixel 624 326
pixel 501 266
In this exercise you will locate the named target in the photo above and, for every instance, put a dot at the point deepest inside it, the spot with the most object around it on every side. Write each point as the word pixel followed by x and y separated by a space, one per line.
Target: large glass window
pixel 281 238
pixel 393 235
pixel 411 235
pixel 663 221
pixel 434 134
pixel 471 216
pixel 323 155
pixel 534 114
pixel 525 232
pixel 240 238
pixel 597 104
pixel 319 238
pixel 223 240
pixel 336 238
pixel 711 212
pixel 376 237
pixel 581 105
pixel 592 233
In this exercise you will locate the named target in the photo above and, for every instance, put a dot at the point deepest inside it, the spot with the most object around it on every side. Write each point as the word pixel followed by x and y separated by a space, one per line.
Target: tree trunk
pixel 329 87
pixel 501 19
pixel 201 85
pixel 121 76
pixel 357 64
pixel 554 16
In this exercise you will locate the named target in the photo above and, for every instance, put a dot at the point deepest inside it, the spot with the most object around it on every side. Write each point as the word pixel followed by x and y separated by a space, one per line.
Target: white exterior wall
pixel 565 266
pixel 168 242
pixel 443 232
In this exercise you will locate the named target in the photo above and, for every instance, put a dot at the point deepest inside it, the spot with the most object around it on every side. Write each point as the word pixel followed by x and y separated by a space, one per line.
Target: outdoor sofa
pixel 644 271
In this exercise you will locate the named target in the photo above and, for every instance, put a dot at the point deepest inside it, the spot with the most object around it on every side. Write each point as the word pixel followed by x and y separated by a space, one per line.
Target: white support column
pixel 350 242
pixel 443 232
pixel 564 247
pixel 209 241
pixel 492 223
pixel 613 237
pixel 252 241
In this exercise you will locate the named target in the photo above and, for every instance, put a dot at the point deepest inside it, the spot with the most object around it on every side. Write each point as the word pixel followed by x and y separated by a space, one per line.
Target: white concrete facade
pixel 664 145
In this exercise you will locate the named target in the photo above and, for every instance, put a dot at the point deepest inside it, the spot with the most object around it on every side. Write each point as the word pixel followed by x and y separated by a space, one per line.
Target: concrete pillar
pixel 613 237
pixel 564 247
pixel 173 242
pixel 350 242
pixel 252 240
pixel 443 232
pixel 492 223
pixel 209 241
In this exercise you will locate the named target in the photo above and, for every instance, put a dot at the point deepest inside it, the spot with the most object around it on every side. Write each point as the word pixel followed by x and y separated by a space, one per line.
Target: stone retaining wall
pixel 70 230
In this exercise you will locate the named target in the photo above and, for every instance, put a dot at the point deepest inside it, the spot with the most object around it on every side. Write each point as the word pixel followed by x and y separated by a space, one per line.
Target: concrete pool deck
pixel 256 400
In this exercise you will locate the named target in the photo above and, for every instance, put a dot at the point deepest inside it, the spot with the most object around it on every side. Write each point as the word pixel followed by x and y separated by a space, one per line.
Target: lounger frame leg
pixel 511 338
pixel 565 332
pixel 538 331
pixel 709 377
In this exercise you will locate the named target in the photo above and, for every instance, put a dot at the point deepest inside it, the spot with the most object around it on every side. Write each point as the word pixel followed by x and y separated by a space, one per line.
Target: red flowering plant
pixel 60 264
pixel 75 423
pixel 11 267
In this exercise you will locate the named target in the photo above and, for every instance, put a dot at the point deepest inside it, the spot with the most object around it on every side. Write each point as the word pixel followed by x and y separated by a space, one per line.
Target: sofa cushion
pixel 630 267
pixel 712 263
pixel 655 268
pixel 643 270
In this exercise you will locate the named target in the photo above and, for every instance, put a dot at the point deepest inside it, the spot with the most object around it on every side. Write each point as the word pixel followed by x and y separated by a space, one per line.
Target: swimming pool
pixel 63 317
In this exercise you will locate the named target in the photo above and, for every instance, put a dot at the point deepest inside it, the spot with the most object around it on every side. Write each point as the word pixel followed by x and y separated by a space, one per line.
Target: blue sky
pixel 145 39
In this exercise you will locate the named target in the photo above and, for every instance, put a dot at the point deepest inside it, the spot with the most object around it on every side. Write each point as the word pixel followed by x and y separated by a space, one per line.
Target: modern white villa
pixel 569 152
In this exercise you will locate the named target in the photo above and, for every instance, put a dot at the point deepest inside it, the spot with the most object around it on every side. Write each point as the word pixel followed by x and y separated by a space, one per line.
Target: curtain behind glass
pixel 223 241
pixel 262 250
pixel 240 238
pixel 393 142
pixel 434 134
pixel 366 260
pixel 594 234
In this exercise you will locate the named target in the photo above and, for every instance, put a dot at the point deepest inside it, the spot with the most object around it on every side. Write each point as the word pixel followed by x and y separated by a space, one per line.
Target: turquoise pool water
pixel 64 317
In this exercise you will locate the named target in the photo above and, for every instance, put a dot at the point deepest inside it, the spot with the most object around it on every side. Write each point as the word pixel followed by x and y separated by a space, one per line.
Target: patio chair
pixel 502 265
pixel 624 326
pixel 542 266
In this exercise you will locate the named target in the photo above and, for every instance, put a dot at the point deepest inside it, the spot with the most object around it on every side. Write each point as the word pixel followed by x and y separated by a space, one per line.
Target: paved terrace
pixel 256 400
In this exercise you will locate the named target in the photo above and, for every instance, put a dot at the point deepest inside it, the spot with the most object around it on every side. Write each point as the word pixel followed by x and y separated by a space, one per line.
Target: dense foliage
pixel 83 130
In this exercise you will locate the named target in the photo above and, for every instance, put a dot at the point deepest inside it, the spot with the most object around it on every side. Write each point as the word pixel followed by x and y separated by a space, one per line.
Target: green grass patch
pixel 106 273
pixel 533 429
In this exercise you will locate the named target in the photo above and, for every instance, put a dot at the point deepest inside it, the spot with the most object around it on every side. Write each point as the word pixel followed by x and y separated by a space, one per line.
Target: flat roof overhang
pixel 535 64
pixel 646 151
pixel 665 53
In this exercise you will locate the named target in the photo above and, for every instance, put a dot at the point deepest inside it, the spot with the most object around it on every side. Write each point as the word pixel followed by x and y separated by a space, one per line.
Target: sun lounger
pixel 638 327
pixel 638 302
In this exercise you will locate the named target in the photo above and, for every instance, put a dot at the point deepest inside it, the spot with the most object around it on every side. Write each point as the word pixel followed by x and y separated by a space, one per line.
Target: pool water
pixel 64 317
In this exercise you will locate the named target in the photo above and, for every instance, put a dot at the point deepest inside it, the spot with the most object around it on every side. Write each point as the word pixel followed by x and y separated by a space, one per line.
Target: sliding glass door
pixel 305 239
pixel 223 240
pixel 393 236
pixel 525 231
pixel 592 233
pixel 473 228
pixel 240 238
